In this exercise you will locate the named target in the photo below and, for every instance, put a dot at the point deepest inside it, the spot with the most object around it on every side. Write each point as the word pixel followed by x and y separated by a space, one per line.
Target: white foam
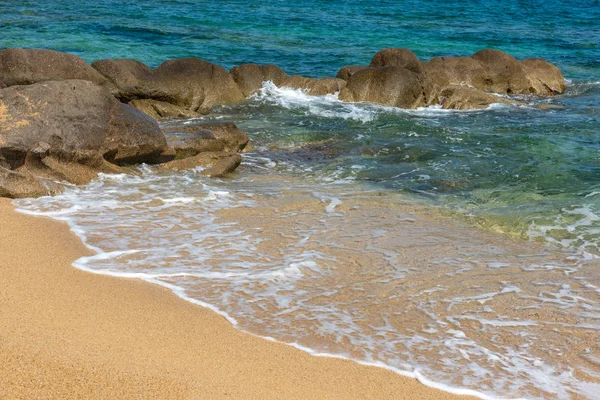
pixel 329 106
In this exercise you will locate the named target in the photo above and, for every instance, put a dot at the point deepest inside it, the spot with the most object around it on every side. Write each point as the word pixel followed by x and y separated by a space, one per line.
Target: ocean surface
pixel 458 247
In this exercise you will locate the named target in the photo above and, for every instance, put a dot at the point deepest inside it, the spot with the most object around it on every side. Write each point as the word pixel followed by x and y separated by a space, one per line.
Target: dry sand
pixel 67 334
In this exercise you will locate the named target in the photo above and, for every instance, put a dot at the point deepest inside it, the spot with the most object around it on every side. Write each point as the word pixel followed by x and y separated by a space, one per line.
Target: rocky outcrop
pixel 497 72
pixel 396 77
pixel 71 130
pixel 191 84
pixel 390 86
pixel 27 66
pixel 250 77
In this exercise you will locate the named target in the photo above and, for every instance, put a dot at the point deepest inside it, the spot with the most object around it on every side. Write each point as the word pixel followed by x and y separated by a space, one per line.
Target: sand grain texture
pixel 69 334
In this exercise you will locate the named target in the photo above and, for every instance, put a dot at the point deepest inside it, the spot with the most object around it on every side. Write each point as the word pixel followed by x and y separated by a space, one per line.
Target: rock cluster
pixel 396 77
pixel 62 119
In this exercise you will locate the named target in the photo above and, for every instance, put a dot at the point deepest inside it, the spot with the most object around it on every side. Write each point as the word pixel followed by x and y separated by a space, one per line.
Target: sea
pixel 461 248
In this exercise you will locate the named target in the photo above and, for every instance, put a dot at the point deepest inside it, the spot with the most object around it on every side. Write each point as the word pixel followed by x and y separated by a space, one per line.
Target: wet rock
pixel 465 71
pixel 504 73
pixel 391 86
pixel 348 70
pixel 67 130
pixel 223 167
pixel 218 163
pixel 466 98
pixel 17 185
pixel 28 66
pixel 314 86
pixel 545 78
pixel 190 83
pixel 160 109
pixel 198 142
pixel 250 77
pixel 233 138
pixel 397 58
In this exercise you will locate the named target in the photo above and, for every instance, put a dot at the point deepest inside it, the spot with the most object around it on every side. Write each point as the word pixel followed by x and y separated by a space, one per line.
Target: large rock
pixel 397 58
pixel 545 78
pixel 17 185
pixel 68 130
pixel 190 83
pixel 196 143
pixel 232 137
pixel 504 73
pixel 27 66
pixel 250 77
pixel 494 71
pixel 444 71
pixel 391 86
pixel 348 70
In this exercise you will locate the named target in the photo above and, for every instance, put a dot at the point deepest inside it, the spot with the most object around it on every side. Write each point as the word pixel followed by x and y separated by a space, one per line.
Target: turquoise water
pixel 507 168
pixel 531 172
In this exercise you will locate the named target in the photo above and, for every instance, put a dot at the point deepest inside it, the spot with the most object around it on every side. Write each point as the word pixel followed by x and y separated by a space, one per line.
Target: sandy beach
pixel 68 334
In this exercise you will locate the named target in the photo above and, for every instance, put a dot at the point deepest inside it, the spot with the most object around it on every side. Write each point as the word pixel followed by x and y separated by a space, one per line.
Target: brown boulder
pixel 505 74
pixel 218 163
pixel 223 167
pixel 17 185
pixel 444 71
pixel 466 98
pixel 198 142
pixel 391 86
pixel 27 66
pixel 49 127
pixel 545 78
pixel 160 109
pixel 233 138
pixel 250 77
pixel 348 70
pixel 190 83
pixel 397 58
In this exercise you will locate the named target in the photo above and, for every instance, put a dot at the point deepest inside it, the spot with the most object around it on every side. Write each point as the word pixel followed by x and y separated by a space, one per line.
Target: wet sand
pixel 67 334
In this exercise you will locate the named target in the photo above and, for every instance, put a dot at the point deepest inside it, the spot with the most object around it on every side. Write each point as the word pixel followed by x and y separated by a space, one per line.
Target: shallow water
pixel 457 247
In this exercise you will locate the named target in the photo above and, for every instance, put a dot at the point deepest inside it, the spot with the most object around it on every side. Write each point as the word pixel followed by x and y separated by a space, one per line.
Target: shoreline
pixel 67 333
